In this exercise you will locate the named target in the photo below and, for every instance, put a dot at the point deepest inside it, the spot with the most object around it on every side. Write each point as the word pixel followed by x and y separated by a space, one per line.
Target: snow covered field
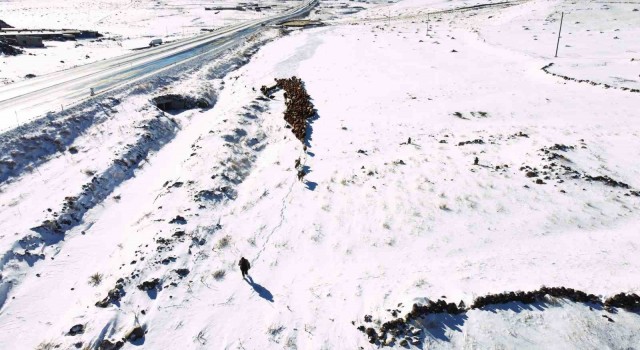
pixel 379 222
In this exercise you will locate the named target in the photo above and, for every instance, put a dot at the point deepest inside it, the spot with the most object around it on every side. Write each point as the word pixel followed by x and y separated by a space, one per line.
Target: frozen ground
pixel 377 222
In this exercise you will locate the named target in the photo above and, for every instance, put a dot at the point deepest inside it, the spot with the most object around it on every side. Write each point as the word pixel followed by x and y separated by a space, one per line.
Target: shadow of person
pixel 263 292
pixel 311 185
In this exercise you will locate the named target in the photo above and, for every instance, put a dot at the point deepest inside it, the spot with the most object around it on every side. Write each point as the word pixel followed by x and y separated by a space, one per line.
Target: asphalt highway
pixel 28 100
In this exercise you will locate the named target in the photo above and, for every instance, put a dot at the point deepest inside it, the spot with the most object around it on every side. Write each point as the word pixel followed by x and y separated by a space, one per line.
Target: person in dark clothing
pixel 244 266
pixel 475 161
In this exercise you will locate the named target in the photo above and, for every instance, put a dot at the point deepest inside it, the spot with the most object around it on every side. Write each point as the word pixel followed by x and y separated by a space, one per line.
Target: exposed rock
pixel 607 181
pixel 107 344
pixel 149 285
pixel 178 220
pixel 477 142
pixel 182 272
pixel 136 333
pixel 560 147
pixel 113 296
pixel 9 50
pixel 178 234
pixel 371 333
pixel 77 329
pixel 173 102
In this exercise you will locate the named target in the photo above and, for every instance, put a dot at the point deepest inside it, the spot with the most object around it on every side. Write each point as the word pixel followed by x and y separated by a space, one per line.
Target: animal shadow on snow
pixel 236 136
pixel 153 292
pixel 307 142
pixel 309 136
pixel 537 306
pixel 435 326
pixel 263 292
pixel 310 184
pixel 138 342
pixel 515 307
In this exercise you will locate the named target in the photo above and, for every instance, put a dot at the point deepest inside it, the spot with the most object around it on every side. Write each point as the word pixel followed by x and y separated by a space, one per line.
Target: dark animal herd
pixel 401 328
pixel 298 102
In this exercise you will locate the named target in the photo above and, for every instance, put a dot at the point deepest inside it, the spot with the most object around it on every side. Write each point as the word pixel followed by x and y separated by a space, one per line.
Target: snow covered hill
pixel 128 222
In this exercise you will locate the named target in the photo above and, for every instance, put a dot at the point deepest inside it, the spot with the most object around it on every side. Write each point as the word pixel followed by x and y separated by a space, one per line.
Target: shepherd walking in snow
pixel 244 266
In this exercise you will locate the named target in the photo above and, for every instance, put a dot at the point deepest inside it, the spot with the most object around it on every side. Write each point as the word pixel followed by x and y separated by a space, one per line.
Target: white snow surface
pixel 377 221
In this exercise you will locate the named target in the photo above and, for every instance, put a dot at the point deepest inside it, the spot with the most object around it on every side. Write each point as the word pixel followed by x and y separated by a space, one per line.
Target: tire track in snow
pixel 282 219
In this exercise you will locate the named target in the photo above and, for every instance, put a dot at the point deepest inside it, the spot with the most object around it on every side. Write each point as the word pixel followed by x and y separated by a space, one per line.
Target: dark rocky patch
pixel 178 234
pixel 149 285
pixel 136 333
pixel 476 142
pixel 560 147
pixel 168 260
pixel 216 194
pixel 607 181
pixel 182 272
pixel 77 329
pixel 114 295
pixel 174 102
pixel 107 344
pixel 459 115
pixel 9 50
pixel 178 220
pixel 559 167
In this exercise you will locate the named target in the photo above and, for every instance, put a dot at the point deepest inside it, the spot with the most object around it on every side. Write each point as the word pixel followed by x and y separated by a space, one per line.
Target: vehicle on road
pixel 155 42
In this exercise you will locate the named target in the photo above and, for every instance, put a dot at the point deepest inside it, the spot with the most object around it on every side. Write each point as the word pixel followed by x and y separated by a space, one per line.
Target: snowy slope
pixel 378 221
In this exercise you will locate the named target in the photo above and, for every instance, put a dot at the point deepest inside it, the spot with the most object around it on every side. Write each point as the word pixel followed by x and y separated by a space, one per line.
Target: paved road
pixel 25 101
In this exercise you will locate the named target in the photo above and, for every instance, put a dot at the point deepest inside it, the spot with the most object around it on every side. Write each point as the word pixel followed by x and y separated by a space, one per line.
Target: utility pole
pixel 427 24
pixel 559 31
